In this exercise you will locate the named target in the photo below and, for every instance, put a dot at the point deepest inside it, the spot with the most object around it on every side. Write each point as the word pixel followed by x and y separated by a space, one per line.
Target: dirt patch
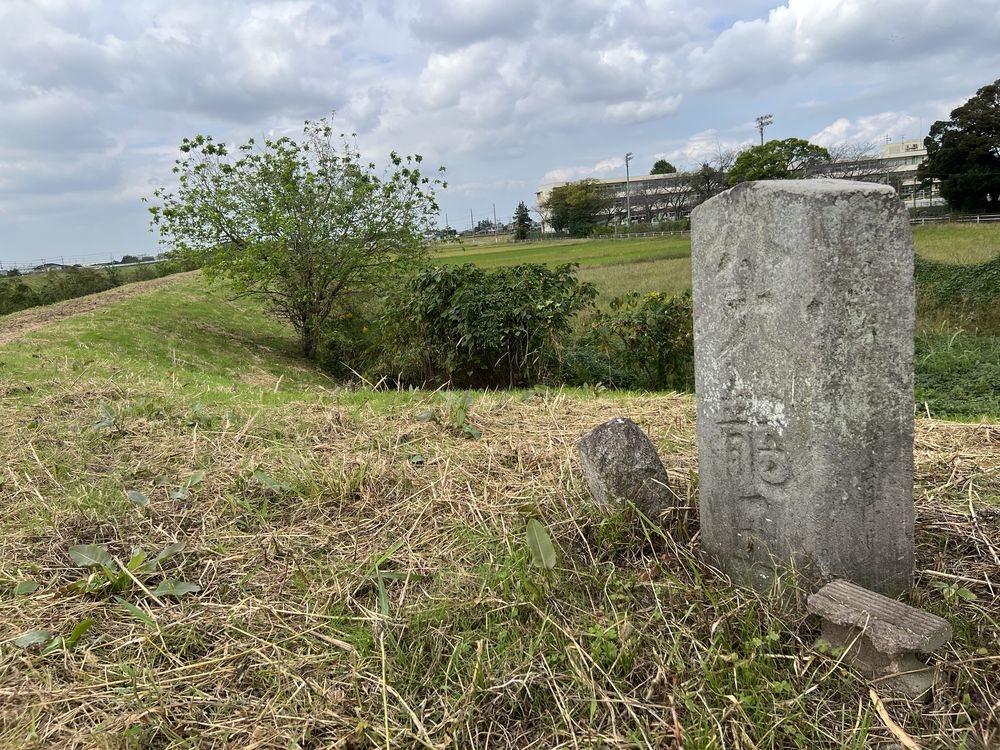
pixel 17 325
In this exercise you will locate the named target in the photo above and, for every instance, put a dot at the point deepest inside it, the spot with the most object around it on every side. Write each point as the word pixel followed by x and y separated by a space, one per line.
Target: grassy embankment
pixel 126 275
pixel 35 290
pixel 364 578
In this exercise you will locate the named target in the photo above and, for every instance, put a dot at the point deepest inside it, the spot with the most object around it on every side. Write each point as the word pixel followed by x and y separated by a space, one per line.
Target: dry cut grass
pixel 364 582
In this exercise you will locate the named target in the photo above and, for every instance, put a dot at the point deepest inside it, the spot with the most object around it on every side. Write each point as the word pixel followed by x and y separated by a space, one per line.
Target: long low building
pixel 654 198
pixel 651 197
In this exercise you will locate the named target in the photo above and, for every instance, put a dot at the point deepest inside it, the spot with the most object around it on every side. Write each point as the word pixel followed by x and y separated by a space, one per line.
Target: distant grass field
pixel 670 275
pixel 663 264
pixel 585 252
pixel 360 574
pixel 958 243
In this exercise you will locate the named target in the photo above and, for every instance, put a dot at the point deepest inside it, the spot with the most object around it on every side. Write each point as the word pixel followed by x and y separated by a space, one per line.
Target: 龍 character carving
pixel 754 454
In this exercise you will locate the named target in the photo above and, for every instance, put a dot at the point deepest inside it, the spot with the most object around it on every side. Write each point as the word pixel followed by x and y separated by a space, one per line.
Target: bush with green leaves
pixel 15 295
pixel 644 341
pixel 474 328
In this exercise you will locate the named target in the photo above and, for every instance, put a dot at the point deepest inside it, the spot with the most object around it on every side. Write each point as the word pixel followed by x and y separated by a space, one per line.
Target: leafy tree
pixel 778 160
pixel 576 206
pixel 662 166
pixel 129 259
pixel 484 225
pixel 964 152
pixel 522 222
pixel 304 225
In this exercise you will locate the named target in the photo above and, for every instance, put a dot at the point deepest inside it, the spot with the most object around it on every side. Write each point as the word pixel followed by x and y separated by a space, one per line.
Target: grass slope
pixel 364 578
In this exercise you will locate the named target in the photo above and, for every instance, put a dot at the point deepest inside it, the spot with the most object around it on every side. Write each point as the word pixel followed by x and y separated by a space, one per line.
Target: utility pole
pixel 628 198
pixel 496 233
pixel 762 122
pixel 472 223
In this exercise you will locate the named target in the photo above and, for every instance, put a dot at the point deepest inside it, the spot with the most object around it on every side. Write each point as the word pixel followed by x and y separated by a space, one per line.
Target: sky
pixel 96 95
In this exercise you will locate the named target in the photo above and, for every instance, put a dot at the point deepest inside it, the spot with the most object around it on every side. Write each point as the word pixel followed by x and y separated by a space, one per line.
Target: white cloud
pixel 702 147
pixel 641 111
pixel 95 94
pixel 803 34
pixel 603 168
pixel 459 22
pixel 868 130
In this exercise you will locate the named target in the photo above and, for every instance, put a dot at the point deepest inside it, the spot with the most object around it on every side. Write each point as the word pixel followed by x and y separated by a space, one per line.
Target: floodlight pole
pixel 628 198
pixel 762 122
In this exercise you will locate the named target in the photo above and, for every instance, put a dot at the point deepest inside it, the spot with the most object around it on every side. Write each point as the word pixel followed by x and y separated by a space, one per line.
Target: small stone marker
pixel 882 637
pixel 621 464
pixel 803 333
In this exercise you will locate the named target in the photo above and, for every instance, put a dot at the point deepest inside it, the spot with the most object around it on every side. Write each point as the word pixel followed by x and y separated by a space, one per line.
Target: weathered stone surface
pixel 803 326
pixel 621 464
pixel 881 636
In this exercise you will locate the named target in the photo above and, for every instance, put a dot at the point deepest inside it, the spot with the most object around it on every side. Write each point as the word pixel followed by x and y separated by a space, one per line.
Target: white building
pixel 671 196
pixel 899 162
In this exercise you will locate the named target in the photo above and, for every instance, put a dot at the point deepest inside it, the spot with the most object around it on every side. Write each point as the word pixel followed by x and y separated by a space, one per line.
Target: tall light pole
pixel 628 199
pixel 762 122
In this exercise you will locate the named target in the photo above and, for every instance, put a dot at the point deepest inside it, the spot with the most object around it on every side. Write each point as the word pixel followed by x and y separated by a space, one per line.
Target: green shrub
pixel 16 295
pixel 644 341
pixel 960 296
pixel 74 282
pixel 473 328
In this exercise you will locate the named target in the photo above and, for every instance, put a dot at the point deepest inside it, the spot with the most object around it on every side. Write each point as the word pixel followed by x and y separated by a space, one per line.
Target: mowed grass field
pixel 359 575
pixel 664 265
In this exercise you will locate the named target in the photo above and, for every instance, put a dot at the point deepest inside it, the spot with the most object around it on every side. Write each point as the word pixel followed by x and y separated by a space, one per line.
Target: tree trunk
pixel 308 340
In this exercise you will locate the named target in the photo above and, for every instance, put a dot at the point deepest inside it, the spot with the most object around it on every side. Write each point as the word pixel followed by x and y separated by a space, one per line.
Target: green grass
pixel 194 336
pixel 663 264
pixel 958 375
pixel 374 588
pixel 585 252
pixel 958 243
pixel 670 275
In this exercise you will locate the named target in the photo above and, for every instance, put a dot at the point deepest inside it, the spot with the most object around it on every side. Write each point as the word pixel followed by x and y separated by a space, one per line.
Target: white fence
pixel 639 235
pixel 979 219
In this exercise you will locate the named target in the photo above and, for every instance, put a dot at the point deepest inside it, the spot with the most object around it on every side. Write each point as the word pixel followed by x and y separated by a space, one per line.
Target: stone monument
pixel 803 332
